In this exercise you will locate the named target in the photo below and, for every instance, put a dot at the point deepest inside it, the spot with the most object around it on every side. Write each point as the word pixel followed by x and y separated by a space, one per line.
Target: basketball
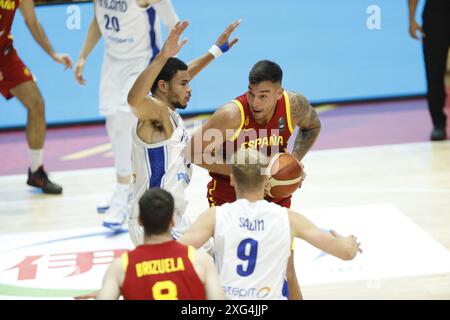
pixel 285 175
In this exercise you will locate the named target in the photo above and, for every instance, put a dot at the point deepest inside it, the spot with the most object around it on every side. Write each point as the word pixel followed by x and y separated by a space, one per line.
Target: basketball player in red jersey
pixel 263 118
pixel 17 80
pixel 161 268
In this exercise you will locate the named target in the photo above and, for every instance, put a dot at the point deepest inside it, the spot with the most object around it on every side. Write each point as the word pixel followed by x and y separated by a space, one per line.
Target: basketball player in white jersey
pixel 131 31
pixel 252 237
pixel 159 136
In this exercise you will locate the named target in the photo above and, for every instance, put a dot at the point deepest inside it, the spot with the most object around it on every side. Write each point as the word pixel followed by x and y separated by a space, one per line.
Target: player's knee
pixel 36 106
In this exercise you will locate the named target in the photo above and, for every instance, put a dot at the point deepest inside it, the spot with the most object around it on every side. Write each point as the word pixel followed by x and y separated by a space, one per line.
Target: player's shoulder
pixel 119 266
pixel 228 115
pixel 274 207
pixel 297 98
pixel 151 108
pixel 295 219
pixel 229 109
pixel 209 215
pixel 300 106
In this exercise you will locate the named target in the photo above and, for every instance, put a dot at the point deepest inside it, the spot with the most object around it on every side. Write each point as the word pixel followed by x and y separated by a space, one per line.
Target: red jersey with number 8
pixel 161 272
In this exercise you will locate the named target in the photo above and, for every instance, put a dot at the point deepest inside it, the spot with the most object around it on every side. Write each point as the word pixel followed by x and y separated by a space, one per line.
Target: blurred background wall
pixel 325 48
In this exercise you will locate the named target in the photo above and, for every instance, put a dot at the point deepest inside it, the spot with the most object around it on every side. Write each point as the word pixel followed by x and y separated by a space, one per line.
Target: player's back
pixel 252 243
pixel 162 271
pixel 129 30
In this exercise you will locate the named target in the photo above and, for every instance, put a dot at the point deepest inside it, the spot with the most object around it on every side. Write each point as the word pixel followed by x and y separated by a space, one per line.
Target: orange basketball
pixel 285 175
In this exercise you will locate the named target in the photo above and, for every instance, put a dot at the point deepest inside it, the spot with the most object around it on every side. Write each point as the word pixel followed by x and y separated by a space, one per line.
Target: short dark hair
pixel 156 208
pixel 265 70
pixel 168 71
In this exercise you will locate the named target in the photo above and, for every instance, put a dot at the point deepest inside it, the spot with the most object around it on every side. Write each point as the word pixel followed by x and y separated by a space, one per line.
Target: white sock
pixel 36 156
pixel 121 193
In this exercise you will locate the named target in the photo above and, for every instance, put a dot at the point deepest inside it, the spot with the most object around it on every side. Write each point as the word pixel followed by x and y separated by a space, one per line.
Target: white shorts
pixel 182 224
pixel 117 78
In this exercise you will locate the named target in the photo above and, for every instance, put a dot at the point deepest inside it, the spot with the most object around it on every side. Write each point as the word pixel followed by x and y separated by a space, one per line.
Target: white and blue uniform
pixel 129 31
pixel 132 38
pixel 252 243
pixel 161 165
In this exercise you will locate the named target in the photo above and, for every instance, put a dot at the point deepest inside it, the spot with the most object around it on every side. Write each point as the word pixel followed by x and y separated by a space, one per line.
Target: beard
pixel 176 100
pixel 178 105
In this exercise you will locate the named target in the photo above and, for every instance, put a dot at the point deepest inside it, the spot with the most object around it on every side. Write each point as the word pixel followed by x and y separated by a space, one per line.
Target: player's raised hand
pixel 78 71
pixel 223 41
pixel 173 45
pixel 63 59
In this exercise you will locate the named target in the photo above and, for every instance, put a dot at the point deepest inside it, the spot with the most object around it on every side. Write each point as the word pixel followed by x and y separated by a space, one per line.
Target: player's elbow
pixel 314 128
pixel 132 99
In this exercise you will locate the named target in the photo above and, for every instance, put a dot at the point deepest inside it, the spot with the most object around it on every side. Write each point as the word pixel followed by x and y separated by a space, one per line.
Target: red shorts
pixel 14 72
pixel 220 191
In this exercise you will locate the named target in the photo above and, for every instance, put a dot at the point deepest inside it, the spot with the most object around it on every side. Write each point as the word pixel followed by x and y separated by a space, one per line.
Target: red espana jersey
pixel 161 272
pixel 272 137
pixel 7 11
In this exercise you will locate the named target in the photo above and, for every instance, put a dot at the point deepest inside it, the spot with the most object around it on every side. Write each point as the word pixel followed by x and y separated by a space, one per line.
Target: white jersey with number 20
pixel 129 31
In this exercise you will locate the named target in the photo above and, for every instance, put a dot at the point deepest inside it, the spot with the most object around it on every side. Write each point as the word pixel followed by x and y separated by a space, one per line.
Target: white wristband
pixel 215 51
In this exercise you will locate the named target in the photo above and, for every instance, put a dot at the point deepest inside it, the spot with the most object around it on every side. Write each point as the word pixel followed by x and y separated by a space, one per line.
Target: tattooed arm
pixel 305 117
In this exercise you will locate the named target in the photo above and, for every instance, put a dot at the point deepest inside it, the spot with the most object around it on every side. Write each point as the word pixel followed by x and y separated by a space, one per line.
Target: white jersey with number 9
pixel 252 248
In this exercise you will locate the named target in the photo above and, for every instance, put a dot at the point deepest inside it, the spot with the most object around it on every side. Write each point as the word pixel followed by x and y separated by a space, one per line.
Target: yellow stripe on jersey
pixel 210 191
pixel 288 111
pixel 191 254
pixel 241 109
pixel 213 187
pixel 292 245
pixel 125 261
